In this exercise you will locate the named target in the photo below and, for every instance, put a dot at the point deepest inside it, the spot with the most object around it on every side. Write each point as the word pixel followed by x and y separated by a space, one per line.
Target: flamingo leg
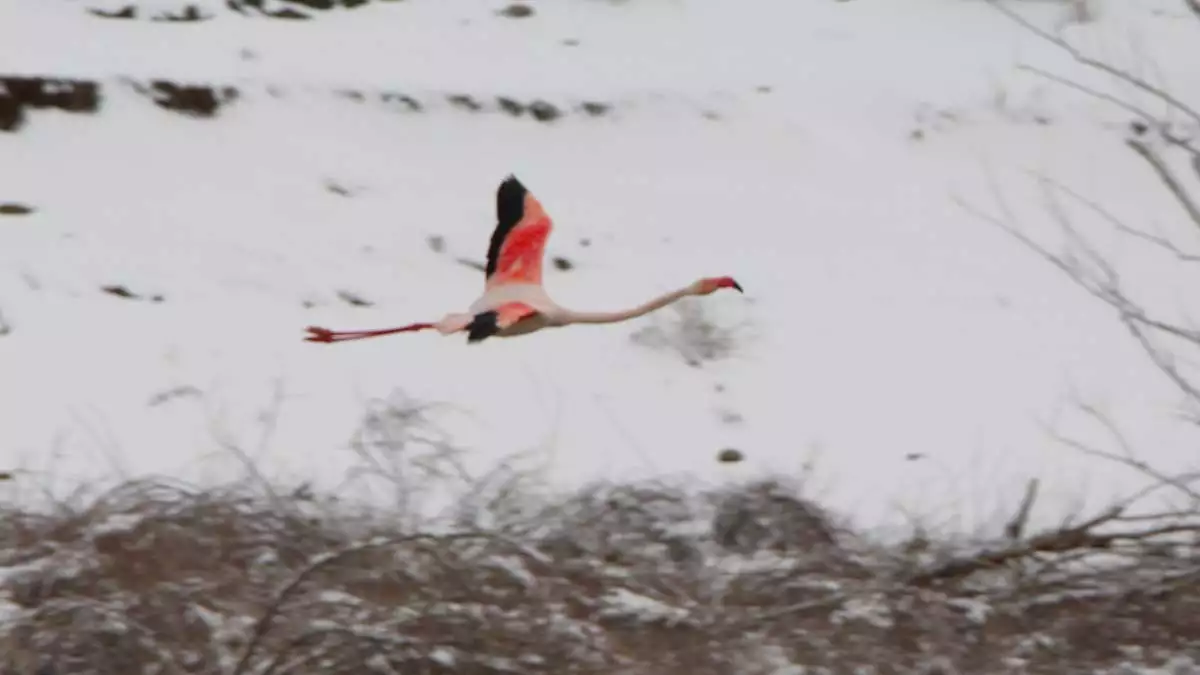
pixel 318 334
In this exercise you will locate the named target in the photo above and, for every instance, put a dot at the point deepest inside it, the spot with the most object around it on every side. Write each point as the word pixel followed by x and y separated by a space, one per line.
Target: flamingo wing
pixel 519 241
pixel 487 324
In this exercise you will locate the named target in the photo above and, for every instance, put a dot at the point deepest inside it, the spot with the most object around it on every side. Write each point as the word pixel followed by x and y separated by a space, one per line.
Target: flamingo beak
pixel 729 282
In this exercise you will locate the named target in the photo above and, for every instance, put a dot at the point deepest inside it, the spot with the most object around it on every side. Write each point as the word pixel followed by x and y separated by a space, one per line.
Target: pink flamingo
pixel 514 301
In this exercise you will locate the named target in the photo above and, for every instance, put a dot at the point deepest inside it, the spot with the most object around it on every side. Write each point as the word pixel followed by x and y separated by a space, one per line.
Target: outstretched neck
pixel 643 309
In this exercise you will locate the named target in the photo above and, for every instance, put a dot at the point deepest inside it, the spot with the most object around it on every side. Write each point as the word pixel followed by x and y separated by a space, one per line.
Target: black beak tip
pixel 738 287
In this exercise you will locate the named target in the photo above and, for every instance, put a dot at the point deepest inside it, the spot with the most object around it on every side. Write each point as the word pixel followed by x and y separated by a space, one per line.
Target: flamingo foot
pixel 318 334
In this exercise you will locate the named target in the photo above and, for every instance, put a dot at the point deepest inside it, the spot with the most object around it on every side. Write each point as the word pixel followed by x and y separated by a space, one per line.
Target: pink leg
pixel 318 334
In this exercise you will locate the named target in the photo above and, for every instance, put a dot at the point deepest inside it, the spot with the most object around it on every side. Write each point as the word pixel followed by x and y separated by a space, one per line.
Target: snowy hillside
pixel 343 172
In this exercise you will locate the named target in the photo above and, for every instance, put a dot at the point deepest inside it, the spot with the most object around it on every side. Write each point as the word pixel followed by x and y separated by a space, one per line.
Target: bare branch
pixel 1090 91
pixel 473 264
pixel 1080 57
pixel 263 626
pixel 1162 361
pixel 1167 177
pixel 1056 261
pixel 1065 539
pixel 1117 224
pixel 1126 458
pixel 1016 527
pixel 1103 283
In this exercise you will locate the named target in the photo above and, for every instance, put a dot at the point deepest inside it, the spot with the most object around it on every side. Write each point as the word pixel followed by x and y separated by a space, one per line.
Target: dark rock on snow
pixel 15 209
pixel 20 93
pixel 194 100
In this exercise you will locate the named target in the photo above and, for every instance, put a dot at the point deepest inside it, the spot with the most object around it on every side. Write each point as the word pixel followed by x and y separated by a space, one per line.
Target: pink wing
pixel 487 324
pixel 511 312
pixel 519 241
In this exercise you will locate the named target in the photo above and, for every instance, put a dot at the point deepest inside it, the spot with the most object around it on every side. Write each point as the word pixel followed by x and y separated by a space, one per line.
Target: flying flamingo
pixel 514 301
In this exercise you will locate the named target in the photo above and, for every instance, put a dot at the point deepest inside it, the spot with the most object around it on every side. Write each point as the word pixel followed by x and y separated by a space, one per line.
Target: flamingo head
pixel 712 284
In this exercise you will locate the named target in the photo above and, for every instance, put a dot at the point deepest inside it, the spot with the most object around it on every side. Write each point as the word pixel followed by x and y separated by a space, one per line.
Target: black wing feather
pixel 510 207
pixel 483 326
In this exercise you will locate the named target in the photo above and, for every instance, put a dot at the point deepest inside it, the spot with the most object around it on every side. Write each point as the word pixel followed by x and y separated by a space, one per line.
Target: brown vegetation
pixel 649 578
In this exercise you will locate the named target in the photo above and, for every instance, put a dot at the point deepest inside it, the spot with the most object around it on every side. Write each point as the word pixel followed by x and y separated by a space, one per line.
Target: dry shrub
pixel 691 331
pixel 637 578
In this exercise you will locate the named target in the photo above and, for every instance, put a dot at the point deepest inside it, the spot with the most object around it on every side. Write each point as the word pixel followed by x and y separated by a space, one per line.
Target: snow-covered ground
pixel 771 140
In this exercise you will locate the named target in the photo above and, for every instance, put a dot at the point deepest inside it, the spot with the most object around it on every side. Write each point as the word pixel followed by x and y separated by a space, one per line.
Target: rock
pixel 191 100
pixel 516 11
pixel 544 112
pixel 12 114
pixel 353 299
pixel 413 104
pixel 338 189
pixel 730 456
pixel 315 4
pixel 189 14
pixel 288 13
pixel 594 108
pixel 510 106
pixel 127 12
pixel 19 93
pixel 15 209
pixel 464 101
pixel 119 291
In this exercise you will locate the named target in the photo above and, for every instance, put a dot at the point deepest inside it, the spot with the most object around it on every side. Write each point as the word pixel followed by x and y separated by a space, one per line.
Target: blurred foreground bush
pixel 648 578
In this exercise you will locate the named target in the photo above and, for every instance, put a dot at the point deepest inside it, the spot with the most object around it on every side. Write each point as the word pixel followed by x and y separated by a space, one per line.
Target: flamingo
pixel 514 301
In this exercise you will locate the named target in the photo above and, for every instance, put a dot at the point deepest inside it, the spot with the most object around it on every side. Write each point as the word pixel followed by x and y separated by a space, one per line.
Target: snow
pixel 622 602
pixel 885 320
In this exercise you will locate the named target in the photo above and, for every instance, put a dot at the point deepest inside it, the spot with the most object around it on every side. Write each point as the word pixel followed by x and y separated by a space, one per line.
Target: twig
pixel 1161 361
pixel 473 264
pixel 790 610
pixel 264 624
pixel 1167 177
pixel 1127 459
pixel 1116 223
pixel 1056 541
pixel 1016 527
pixel 1080 57
pixel 1090 91
pixel 1107 290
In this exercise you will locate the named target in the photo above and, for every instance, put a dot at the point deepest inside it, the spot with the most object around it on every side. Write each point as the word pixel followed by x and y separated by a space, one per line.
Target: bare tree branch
pixel 1127 457
pixel 1090 91
pixel 1155 239
pixel 1064 539
pixel 1015 528
pixel 1162 361
pixel 1103 283
pixel 1080 57
pixel 264 624
pixel 1167 177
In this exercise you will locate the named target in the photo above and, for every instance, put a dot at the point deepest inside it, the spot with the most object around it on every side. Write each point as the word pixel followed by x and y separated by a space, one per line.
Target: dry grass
pixel 692 332
pixel 651 578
